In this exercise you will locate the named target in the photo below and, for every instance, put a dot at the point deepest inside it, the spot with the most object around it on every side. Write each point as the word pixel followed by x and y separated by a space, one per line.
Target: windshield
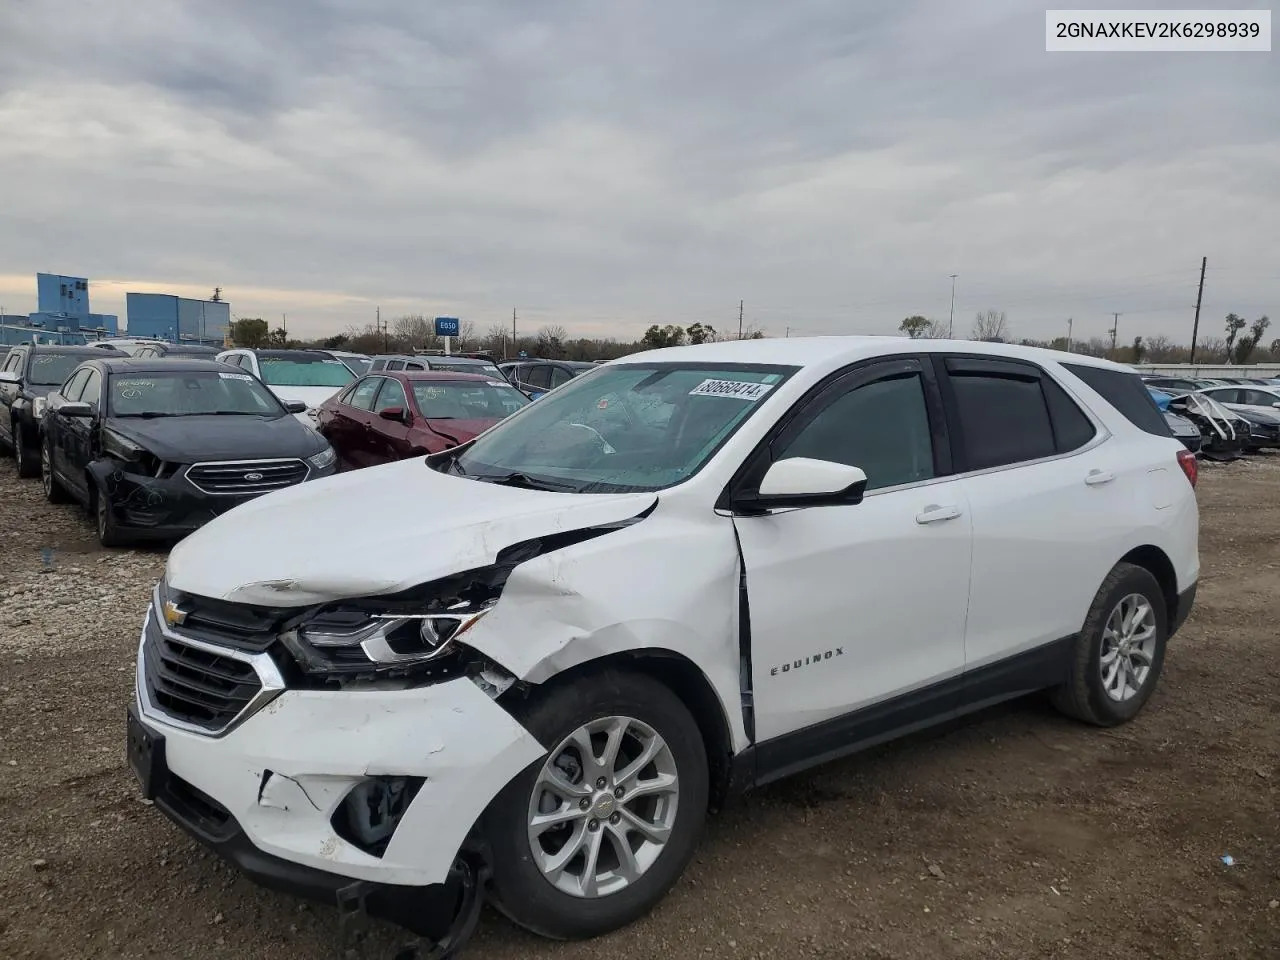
pixel 624 428
pixel 52 369
pixel 358 365
pixel 305 372
pixel 466 399
pixel 191 394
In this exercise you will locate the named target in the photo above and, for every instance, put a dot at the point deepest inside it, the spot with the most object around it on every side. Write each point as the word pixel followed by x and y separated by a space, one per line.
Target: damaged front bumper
pixel 284 791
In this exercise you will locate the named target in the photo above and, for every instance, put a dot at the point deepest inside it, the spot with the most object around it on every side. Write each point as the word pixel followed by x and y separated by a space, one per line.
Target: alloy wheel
pixel 603 807
pixel 1128 647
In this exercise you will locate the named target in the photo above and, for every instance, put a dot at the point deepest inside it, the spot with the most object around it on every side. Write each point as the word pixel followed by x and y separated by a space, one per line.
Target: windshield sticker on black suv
pixel 734 389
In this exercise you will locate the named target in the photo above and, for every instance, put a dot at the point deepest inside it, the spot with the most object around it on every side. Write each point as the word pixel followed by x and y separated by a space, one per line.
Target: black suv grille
pixel 247 477
pixel 204 689
pixel 226 624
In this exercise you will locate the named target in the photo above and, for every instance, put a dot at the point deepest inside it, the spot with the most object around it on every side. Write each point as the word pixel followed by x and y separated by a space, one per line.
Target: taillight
pixel 1187 461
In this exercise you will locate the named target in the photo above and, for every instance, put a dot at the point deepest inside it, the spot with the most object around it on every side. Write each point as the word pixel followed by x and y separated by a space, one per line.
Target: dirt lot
pixel 1015 835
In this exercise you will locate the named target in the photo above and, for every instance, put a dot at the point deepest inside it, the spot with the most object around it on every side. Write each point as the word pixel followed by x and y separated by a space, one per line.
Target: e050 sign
pixel 447 326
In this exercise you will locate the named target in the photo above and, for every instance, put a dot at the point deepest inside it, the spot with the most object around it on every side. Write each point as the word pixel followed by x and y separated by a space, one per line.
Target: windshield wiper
pixel 149 415
pixel 523 480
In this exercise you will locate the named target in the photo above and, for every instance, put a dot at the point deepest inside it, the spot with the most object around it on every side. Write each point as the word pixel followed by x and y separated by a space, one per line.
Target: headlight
pixel 324 459
pixel 37 408
pixel 400 635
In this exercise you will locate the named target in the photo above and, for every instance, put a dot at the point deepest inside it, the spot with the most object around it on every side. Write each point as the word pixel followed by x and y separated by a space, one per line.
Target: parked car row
pixel 1220 420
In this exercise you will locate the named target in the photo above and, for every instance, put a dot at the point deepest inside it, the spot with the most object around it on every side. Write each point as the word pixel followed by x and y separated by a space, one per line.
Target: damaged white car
pixel 541 656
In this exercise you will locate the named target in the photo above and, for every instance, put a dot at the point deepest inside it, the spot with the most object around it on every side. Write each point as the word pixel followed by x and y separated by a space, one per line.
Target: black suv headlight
pixel 132 457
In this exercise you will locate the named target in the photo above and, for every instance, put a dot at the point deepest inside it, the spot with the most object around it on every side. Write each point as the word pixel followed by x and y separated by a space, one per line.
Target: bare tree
pixel 937 330
pixel 993 325
pixel 551 341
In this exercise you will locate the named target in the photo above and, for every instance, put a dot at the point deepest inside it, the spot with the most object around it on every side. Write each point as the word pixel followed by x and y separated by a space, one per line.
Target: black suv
pixel 536 377
pixel 28 374
pixel 156 448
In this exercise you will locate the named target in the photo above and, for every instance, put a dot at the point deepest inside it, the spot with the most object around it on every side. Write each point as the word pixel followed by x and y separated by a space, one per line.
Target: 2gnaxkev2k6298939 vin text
pixel 585 632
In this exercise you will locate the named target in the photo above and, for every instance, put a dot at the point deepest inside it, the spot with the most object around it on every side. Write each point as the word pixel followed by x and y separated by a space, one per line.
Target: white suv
pixel 538 658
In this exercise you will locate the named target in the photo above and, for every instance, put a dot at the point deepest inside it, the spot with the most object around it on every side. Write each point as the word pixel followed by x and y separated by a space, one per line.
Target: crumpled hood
pixel 193 439
pixel 374 531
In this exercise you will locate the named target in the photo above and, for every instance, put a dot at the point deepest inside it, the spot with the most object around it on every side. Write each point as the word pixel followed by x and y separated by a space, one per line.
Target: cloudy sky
pixel 610 165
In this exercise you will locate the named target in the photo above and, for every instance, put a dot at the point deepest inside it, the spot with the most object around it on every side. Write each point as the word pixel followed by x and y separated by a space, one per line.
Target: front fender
pixel 623 593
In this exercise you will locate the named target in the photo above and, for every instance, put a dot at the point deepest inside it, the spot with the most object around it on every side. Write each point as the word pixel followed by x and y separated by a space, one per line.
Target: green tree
pixel 701 333
pixel 1246 346
pixel 915 326
pixel 1138 349
pixel 1234 326
pixel 336 342
pixel 657 337
pixel 249 332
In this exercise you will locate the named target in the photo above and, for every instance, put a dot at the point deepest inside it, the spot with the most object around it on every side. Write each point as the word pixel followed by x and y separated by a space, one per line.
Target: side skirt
pixel 1027 672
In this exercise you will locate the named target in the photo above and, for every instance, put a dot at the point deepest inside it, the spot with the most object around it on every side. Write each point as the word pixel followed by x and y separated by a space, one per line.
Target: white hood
pixel 311 396
pixel 374 531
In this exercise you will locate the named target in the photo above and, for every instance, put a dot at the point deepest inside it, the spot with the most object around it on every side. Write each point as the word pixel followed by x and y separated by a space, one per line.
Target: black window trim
pixel 977 362
pixel 821 395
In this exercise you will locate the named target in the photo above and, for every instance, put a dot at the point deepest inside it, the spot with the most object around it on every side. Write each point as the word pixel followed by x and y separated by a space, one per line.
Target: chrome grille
pixel 245 477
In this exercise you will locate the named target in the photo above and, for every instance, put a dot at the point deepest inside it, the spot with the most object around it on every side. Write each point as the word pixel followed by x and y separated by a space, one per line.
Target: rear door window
pixel 362 396
pixel 1010 412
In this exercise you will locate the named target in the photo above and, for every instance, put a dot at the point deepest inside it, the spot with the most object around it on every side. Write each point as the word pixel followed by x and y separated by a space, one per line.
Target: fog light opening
pixel 367 818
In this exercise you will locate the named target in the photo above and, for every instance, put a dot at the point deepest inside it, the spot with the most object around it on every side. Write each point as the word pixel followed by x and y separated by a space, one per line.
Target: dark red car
pixel 388 416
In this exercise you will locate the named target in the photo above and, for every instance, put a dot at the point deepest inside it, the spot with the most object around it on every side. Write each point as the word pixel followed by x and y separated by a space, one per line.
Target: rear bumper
pixel 1186 600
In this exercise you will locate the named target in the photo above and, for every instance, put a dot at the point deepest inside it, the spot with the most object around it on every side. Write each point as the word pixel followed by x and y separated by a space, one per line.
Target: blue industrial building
pixel 166 317
pixel 62 315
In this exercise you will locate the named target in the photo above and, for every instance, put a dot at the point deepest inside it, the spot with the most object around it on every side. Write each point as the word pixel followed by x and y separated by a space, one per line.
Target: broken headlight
pixel 353 641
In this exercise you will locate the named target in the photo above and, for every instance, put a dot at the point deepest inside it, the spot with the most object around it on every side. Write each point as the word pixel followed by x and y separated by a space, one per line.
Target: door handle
pixel 935 514
pixel 1096 478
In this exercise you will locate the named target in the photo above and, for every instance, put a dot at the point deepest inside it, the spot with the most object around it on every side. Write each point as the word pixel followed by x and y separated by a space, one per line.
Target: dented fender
pixel 669 583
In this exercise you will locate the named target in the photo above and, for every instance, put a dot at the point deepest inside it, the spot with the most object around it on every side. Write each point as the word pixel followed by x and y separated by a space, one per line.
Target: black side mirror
pixel 295 406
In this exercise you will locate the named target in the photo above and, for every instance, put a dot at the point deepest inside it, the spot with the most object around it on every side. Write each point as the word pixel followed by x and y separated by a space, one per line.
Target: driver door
pixel 857 612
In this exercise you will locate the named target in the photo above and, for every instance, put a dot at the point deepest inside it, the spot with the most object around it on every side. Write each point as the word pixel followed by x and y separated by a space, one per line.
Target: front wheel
pixel 1120 652
pixel 109 534
pixel 53 491
pixel 594 834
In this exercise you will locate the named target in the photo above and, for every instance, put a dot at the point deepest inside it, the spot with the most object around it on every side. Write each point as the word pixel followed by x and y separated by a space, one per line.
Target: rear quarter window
pixel 1127 393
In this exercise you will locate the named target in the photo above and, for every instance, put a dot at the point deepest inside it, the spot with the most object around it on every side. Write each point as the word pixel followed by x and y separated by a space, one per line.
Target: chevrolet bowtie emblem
pixel 173 614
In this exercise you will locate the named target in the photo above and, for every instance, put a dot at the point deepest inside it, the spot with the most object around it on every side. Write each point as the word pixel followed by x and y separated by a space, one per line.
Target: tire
pixel 1085 696
pixel 27 465
pixel 53 491
pixel 109 534
pixel 521 889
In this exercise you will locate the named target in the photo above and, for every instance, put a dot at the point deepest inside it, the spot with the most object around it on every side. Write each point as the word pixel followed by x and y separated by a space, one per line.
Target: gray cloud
pixel 611 165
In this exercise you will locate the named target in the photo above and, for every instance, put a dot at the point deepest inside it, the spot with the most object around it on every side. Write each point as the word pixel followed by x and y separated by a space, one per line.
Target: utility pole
pixel 513 331
pixel 378 326
pixel 739 319
pixel 1195 326
pixel 951 327
pixel 1115 328
pixel 1069 334
pixel 788 332
pixel 284 324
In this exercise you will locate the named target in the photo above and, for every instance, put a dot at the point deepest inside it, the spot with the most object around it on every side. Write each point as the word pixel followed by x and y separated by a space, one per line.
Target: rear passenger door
pixel 1048 498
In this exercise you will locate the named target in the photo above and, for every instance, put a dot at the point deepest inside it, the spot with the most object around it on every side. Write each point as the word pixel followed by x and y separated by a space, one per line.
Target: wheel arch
pixel 1157 563
pixel 687 681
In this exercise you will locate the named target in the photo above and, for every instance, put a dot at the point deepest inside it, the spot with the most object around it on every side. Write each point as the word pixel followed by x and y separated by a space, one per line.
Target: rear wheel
pixel 53 491
pixel 28 466
pixel 1120 652
pixel 594 834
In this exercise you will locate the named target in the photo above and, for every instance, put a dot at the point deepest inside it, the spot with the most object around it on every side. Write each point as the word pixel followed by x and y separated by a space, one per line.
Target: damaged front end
pixel 349 713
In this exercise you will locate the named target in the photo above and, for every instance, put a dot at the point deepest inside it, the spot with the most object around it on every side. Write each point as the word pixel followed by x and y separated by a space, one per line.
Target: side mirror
pixel 397 414
pixel 77 409
pixel 295 406
pixel 804 482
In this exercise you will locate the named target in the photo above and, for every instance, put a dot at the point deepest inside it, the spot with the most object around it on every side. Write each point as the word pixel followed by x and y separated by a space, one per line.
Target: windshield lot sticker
pixel 733 389
pixel 235 376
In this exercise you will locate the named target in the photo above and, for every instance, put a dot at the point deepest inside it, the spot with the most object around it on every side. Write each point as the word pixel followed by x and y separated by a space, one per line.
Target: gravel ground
pixel 1016 834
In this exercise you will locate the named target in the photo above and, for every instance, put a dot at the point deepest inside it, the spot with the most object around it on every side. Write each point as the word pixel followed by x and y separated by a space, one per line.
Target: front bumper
pixel 280 773
pixel 167 507
pixel 430 910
